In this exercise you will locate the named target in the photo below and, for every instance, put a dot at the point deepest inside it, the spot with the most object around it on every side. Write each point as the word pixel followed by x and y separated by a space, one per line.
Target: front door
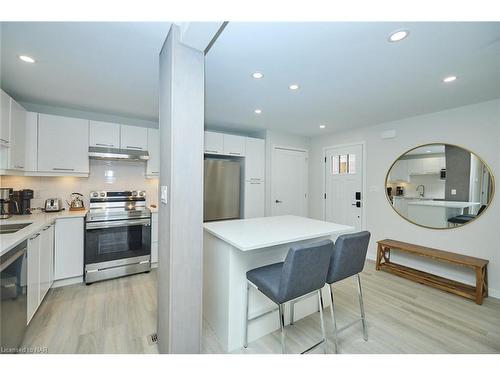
pixel 343 185
pixel 289 182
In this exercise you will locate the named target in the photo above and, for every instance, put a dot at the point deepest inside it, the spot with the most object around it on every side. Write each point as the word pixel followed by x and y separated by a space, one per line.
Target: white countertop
pixel 38 220
pixel 258 233
pixel 416 198
pixel 445 204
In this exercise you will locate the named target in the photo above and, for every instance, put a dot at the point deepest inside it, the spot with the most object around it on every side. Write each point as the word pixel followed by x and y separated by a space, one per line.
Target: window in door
pixel 344 164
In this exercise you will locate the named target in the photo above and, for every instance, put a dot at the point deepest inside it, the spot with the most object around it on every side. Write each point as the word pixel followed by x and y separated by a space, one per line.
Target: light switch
pixel 164 194
pixel 453 191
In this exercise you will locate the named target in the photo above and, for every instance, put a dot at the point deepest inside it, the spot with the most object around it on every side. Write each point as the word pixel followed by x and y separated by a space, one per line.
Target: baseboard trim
pixel 65 282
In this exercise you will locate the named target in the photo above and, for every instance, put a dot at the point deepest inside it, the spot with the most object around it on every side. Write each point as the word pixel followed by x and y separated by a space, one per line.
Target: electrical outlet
pixel 37 194
pixel 453 191
pixel 164 194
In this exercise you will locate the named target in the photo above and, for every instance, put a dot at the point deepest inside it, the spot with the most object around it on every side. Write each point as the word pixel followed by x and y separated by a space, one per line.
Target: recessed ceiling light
pixel 258 111
pixel 27 59
pixel 398 35
pixel 322 126
pixel 428 151
pixel 257 75
pixel 293 86
pixel 449 79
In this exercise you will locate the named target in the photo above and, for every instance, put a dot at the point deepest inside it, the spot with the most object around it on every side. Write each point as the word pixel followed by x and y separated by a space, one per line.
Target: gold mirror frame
pixel 441 144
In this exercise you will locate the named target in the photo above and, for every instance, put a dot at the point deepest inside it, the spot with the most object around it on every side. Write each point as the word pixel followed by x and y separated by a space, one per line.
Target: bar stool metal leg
pixel 362 309
pixel 245 342
pixel 334 321
pixel 292 305
pixel 323 333
pixel 282 327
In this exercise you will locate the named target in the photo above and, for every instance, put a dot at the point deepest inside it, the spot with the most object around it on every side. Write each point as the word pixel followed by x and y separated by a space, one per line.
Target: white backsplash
pixel 104 175
pixel 434 186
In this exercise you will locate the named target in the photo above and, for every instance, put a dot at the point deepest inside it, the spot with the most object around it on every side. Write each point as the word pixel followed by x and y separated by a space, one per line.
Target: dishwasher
pixel 13 298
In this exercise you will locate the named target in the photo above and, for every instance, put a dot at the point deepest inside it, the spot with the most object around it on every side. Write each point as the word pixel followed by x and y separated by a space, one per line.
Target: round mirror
pixel 439 186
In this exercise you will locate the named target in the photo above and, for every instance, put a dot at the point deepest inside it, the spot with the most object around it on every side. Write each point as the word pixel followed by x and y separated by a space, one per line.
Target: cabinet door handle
pixel 105 144
pixel 4 141
pixel 63 169
pixel 234 153
pixel 277 201
pixel 19 166
pixel 35 236
pixel 134 147
pixel 212 151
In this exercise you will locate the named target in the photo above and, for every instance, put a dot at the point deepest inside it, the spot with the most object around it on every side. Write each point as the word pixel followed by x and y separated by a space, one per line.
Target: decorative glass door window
pixel 344 164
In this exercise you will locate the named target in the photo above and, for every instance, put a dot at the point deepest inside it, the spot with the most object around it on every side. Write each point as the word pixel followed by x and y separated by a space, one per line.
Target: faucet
pixel 421 192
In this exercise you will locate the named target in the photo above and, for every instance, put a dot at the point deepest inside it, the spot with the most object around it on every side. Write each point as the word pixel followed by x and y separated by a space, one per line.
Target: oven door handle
pixel 117 223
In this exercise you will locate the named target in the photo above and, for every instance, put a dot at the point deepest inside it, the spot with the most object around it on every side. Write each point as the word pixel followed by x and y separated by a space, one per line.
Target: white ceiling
pixel 349 74
pixel 109 67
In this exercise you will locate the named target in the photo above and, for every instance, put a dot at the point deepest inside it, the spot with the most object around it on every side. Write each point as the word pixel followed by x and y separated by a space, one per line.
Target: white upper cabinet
pixel 31 143
pixel 214 143
pixel 153 166
pixel 234 145
pixel 63 144
pixel 255 159
pixel 104 134
pixel 133 137
pixel 17 136
pixel 4 119
pixel 399 171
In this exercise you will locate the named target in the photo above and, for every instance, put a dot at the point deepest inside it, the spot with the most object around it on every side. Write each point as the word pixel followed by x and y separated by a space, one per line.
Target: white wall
pixel 274 138
pixel 104 175
pixel 475 127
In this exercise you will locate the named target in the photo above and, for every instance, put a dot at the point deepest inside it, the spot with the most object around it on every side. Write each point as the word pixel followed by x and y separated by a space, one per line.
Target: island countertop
pixel 262 232
pixel 445 204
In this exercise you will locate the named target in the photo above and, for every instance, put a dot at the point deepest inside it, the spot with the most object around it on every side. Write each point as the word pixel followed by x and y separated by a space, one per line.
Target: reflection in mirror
pixel 439 186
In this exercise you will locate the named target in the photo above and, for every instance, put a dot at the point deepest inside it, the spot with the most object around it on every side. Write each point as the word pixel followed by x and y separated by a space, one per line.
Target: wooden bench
pixel 476 293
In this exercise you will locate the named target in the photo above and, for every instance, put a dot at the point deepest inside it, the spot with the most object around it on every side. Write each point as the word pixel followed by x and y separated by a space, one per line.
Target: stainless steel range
pixel 117 235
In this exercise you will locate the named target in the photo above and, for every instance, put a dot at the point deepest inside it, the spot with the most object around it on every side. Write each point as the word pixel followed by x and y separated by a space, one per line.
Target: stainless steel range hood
pixel 105 153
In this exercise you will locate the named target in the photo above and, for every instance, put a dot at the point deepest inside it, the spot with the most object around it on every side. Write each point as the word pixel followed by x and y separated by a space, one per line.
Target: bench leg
pixel 485 281
pixel 479 285
pixel 379 256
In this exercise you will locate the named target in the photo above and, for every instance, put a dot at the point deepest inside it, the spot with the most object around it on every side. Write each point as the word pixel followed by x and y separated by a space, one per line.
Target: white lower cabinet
pixel 40 267
pixel 68 248
pixel 154 237
pixel 254 199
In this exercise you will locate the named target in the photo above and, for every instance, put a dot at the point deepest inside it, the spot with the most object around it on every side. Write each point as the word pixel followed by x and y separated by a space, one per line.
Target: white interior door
pixel 289 182
pixel 343 185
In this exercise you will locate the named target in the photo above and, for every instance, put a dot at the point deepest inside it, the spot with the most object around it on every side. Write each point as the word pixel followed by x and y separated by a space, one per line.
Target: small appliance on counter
pixel 76 203
pixel 21 202
pixel 5 203
pixel 400 191
pixel 53 205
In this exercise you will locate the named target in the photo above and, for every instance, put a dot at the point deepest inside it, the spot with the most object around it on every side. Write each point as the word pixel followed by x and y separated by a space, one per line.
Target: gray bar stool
pixel 348 259
pixel 302 273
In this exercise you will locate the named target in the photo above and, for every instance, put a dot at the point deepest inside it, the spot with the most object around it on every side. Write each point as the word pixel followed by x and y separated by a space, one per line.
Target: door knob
pixel 277 201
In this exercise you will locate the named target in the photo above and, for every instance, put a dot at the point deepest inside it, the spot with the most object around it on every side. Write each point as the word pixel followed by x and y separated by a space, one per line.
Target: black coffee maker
pixel 21 202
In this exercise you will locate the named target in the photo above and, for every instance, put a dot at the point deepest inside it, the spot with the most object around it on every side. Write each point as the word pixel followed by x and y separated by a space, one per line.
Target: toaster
pixel 53 205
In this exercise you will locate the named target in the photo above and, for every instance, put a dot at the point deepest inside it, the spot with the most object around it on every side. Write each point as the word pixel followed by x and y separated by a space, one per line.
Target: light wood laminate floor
pixel 116 316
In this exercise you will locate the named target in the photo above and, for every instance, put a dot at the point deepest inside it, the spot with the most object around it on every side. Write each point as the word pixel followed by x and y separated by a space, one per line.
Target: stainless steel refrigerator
pixel 221 195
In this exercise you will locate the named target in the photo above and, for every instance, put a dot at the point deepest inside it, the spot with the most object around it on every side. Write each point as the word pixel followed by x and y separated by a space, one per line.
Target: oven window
pixel 106 244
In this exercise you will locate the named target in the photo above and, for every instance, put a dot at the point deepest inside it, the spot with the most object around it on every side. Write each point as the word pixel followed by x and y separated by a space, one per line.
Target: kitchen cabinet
pixel 4 119
pixel 255 150
pixel 17 127
pixel 33 270
pixel 68 241
pixel 214 143
pixel 234 145
pixel 254 202
pixel 431 165
pixel 63 144
pixel 31 143
pixel 46 259
pixel 104 134
pixel 399 171
pixel 133 137
pixel 154 237
pixel 153 164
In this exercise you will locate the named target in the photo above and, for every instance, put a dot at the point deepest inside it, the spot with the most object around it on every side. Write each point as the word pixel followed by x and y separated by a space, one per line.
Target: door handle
pixel 277 201
pixel 357 204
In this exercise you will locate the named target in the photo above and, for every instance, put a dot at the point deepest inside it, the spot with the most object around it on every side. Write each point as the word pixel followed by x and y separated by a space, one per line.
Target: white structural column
pixel 181 196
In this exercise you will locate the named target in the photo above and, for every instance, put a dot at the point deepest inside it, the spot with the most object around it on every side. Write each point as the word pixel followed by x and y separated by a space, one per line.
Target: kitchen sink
pixel 12 228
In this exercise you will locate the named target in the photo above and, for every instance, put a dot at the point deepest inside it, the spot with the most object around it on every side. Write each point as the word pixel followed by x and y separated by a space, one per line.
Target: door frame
pixel 306 179
pixel 363 178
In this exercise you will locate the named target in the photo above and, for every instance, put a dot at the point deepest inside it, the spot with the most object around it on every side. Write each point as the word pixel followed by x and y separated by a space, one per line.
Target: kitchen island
pixel 436 213
pixel 231 248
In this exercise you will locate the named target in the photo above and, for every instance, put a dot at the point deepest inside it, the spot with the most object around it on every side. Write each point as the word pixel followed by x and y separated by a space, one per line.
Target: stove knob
pixel 94 194
pixel 141 194
pixel 134 193
pixel 103 194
